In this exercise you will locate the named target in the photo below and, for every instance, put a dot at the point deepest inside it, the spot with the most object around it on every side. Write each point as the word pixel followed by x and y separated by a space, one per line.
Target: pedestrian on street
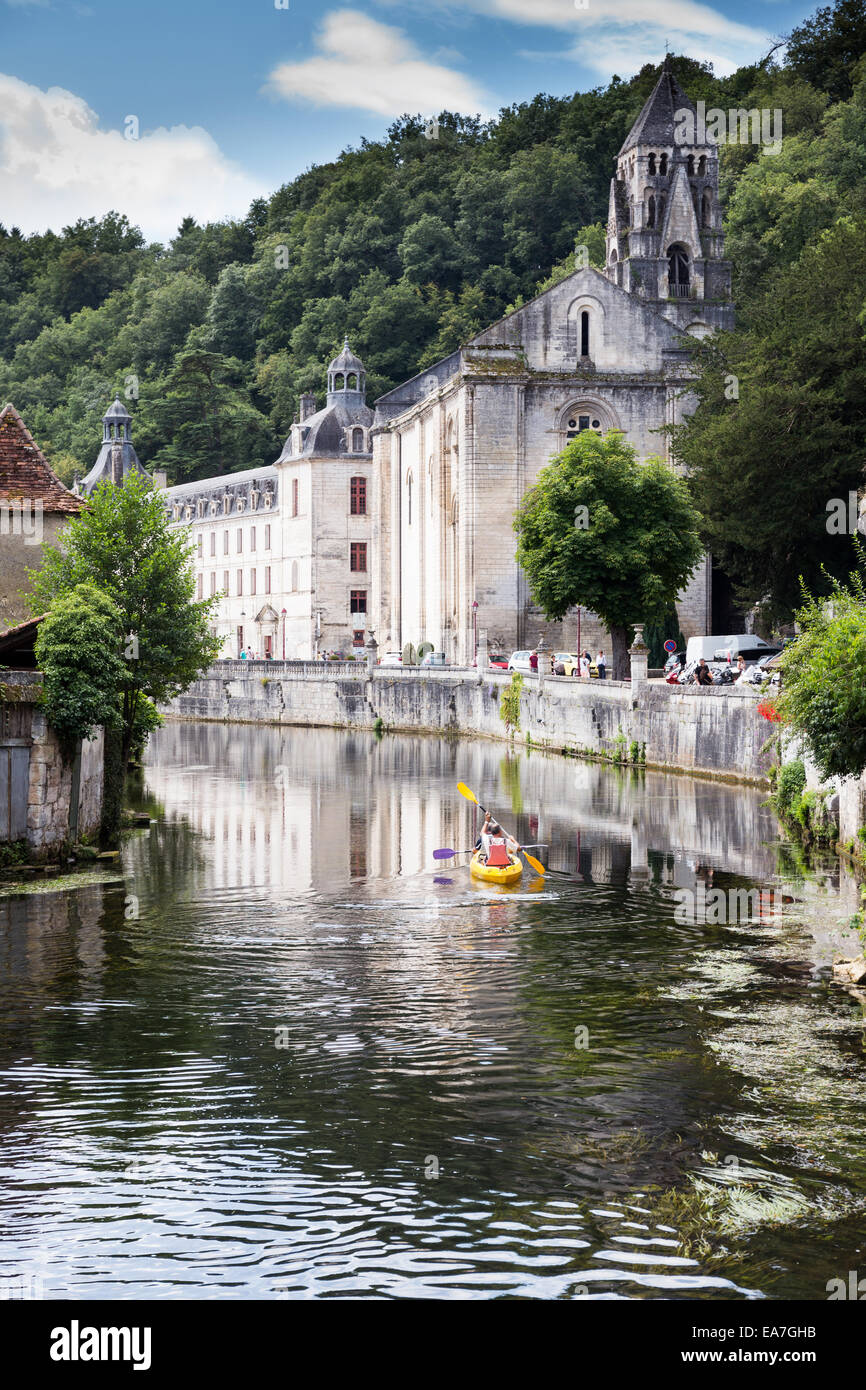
pixel 601 663
pixel 533 662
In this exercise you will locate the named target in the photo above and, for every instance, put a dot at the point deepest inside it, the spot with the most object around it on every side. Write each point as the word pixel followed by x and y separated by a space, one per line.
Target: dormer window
pixel 663 164
pixel 254 499
pixel 241 504
pixel 227 503
pixel 357 441
pixel 177 513
pixel 188 512
pixel 268 500
pixel 213 506
pixel 199 509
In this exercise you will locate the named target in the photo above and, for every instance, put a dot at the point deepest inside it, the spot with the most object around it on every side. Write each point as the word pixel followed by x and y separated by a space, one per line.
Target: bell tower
pixel 664 231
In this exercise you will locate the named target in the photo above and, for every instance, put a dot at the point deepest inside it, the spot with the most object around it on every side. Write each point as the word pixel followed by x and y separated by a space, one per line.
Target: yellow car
pixel 568 664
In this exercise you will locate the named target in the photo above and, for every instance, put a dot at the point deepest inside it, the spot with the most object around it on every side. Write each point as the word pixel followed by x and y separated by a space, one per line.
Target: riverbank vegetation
pixel 124 631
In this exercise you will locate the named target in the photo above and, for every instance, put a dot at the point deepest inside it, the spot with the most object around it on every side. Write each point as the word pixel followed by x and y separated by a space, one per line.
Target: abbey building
pixel 399 519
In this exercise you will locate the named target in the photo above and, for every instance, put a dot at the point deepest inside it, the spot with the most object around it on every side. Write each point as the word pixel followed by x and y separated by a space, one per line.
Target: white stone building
pixel 401 522
pixel 287 547
pixel 457 447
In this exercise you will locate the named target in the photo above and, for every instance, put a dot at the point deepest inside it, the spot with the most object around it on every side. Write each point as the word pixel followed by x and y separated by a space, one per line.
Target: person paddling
pixel 495 845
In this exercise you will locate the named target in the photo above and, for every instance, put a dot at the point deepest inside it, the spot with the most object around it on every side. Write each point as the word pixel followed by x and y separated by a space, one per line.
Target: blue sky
pixel 232 98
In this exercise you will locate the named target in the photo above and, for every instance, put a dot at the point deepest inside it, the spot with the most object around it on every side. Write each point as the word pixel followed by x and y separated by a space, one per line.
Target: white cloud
pixel 621 35
pixel 374 67
pixel 56 165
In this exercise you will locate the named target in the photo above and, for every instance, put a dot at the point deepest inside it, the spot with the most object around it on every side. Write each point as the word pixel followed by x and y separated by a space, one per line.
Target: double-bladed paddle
pixel 470 796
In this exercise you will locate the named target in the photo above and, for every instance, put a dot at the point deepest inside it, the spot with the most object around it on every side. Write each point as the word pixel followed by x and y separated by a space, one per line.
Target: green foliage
pixel 635 554
pixel 790 785
pixel 78 651
pixel 824 678
pixel 122 546
pixel 410 244
pixel 826 47
pixel 509 705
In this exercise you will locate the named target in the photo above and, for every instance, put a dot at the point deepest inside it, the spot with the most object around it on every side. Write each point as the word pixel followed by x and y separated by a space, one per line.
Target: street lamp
pixel 475 628
pixel 283 616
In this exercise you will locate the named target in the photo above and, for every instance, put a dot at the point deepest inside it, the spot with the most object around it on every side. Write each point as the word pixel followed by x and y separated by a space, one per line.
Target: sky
pixel 167 108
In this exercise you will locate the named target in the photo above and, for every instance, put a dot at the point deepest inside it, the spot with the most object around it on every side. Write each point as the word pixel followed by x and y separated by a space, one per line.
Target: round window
pixel 596 424
pixel 572 424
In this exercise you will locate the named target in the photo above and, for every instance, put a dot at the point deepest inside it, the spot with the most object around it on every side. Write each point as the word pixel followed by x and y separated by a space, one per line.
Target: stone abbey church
pixel 398 519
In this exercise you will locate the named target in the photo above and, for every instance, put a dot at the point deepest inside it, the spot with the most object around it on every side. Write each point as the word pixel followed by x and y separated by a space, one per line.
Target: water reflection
pixel 280 1059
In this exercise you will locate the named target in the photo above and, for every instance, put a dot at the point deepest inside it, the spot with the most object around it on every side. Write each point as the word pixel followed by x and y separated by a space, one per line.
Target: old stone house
pixel 34 508
pixel 456 448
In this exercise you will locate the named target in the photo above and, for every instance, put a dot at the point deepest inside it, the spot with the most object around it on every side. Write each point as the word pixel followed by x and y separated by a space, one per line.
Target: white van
pixel 706 647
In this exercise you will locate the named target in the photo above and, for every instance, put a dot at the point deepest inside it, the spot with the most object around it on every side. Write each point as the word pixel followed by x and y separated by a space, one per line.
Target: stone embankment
pixel 716 732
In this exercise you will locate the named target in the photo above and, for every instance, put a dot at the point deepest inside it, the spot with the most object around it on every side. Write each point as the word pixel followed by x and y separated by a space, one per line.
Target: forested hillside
pixel 413 243
pixel 409 245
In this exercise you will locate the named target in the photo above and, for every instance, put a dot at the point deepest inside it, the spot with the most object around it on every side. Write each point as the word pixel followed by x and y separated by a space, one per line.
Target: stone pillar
pixel 372 648
pixel 639 654
pixel 483 657
pixel 543 664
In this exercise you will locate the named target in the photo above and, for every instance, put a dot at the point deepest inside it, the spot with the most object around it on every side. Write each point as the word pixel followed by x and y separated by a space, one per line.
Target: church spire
pixel 664 234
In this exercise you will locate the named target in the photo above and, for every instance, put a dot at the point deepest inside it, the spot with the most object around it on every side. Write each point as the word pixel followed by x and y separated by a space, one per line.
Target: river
pixel 284 1056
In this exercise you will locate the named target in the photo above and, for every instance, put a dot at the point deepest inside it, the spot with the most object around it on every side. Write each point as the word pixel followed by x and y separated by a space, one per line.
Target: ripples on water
pixel 280 1060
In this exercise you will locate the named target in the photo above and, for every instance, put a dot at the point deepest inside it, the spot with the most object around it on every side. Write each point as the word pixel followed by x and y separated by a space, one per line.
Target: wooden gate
pixel 14 786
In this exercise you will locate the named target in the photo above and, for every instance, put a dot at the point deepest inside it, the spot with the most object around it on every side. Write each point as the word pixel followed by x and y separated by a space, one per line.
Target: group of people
pixel 247 654
pixel 704 674
pixel 584 664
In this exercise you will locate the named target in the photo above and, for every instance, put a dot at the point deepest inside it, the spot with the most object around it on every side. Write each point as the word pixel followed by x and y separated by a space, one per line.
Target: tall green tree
pixel 778 431
pixel 78 651
pixel 601 530
pixel 122 545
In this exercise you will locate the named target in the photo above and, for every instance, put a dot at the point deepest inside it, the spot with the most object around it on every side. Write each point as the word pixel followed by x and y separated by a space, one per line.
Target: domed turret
pixel 117 457
pixel 347 379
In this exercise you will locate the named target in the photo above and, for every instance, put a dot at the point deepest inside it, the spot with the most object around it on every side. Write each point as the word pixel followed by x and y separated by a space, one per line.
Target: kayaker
pixel 495 844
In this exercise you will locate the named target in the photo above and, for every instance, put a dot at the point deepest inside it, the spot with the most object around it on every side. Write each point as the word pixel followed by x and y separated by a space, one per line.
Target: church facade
pixel 456 448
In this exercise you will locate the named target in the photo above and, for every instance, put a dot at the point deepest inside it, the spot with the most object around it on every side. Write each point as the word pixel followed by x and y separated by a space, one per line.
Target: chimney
pixel 160 479
pixel 307 404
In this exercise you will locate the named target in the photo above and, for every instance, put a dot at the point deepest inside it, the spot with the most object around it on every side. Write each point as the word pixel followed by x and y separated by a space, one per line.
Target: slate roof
pixel 655 124
pixel 323 433
pixel 25 474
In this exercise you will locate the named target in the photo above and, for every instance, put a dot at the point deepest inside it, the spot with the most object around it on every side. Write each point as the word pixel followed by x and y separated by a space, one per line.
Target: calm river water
pixel 283 1057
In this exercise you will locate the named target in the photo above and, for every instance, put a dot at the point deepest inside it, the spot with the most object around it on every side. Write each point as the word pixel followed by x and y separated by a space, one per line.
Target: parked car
pixel 499 663
pixel 712 647
pixel 435 659
pixel 519 661
pixel 391 659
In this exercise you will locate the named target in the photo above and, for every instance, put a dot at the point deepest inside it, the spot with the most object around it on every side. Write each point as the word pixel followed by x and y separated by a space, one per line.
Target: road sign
pixel 670 645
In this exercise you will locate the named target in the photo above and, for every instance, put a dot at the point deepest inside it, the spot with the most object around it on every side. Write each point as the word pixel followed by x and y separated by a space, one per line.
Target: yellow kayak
pixel 510 874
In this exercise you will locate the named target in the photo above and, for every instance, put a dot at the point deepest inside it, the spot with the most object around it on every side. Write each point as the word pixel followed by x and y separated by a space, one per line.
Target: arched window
pixel 651 211
pixel 702 166
pixel 584 333
pixel 690 166
pixel 663 164
pixel 652 164
pixel 678 272
pixel 357 441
